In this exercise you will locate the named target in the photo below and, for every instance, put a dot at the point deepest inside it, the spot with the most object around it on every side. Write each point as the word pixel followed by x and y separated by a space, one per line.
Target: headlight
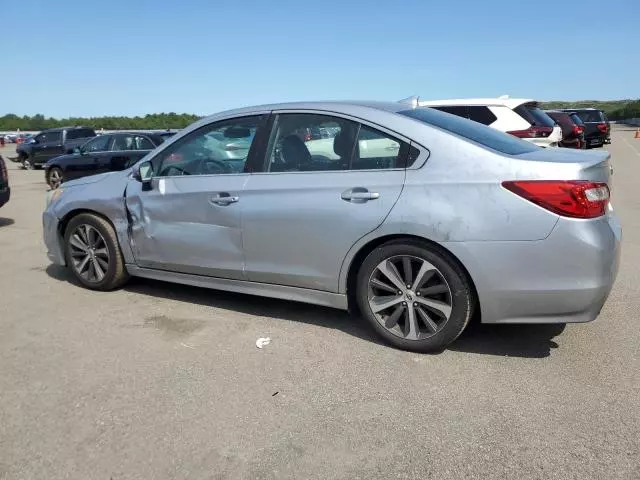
pixel 53 195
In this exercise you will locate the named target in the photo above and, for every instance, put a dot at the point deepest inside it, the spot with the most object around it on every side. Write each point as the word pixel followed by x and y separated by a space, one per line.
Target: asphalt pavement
pixel 162 381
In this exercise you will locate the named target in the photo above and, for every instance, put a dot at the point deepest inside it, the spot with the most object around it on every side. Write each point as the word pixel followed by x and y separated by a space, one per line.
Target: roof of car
pixel 339 106
pixel 60 129
pixel 132 132
pixel 500 101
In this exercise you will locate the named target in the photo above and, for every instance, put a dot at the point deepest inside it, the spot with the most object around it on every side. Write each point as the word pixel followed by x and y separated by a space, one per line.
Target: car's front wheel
pixel 55 177
pixel 93 253
pixel 414 295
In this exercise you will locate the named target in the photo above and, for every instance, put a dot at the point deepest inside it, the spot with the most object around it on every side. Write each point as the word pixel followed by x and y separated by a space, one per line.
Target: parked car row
pixel 16 137
pixel 36 151
pixel 523 118
pixel 597 129
pixel 415 218
pixel 104 153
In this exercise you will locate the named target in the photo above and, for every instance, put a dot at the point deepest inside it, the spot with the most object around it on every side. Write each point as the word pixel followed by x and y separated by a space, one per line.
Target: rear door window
pixel 98 144
pixel 474 131
pixel 344 145
pixel 54 138
pixel 534 115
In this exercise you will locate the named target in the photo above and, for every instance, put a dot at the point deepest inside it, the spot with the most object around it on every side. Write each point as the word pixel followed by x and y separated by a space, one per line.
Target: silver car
pixel 416 219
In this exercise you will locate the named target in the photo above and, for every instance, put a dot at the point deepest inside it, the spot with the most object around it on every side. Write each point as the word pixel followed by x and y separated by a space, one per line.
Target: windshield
pixel 576 119
pixel 486 136
pixel 590 115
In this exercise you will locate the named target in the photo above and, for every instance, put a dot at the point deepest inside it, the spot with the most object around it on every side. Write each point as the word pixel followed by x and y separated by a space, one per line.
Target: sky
pixel 133 57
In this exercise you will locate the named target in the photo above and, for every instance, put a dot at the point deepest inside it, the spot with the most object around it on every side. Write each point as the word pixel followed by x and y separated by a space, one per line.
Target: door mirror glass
pixel 143 173
pixel 77 151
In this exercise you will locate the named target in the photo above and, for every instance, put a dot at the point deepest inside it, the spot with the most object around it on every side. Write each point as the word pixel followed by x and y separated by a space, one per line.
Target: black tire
pixel 461 297
pixel 115 275
pixel 26 163
pixel 50 174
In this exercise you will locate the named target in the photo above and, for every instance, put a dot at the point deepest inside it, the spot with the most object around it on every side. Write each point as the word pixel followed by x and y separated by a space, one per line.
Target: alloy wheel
pixel 89 253
pixel 409 297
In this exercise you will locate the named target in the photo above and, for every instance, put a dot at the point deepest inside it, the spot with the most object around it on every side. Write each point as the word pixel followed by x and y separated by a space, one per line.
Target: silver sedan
pixel 414 219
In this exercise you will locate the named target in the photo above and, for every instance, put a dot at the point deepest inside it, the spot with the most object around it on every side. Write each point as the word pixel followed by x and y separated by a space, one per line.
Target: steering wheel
pixel 165 170
pixel 224 167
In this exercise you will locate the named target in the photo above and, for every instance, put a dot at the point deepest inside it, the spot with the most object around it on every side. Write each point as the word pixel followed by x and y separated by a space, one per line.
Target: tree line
pixel 155 121
pixel 615 110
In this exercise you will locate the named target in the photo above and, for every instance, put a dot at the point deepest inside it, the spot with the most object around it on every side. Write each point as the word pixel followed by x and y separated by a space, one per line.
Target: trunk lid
pixel 569 164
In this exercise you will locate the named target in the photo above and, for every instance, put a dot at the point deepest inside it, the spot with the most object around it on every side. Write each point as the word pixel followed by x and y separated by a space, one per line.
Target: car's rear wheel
pixel 55 177
pixel 93 253
pixel 414 295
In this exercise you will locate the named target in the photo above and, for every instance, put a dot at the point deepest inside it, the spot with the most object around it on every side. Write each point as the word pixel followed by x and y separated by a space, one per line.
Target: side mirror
pixel 143 173
pixel 77 151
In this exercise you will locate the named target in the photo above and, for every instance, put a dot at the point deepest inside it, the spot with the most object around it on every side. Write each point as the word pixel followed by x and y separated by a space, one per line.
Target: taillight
pixel 569 198
pixel 532 132
pixel 577 129
pixel 602 127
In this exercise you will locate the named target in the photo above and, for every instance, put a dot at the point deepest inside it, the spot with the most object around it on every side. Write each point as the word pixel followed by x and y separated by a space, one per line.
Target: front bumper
pixel 52 238
pixel 565 278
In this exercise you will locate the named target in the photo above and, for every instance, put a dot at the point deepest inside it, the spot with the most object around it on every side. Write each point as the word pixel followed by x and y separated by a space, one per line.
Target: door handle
pixel 223 199
pixel 359 195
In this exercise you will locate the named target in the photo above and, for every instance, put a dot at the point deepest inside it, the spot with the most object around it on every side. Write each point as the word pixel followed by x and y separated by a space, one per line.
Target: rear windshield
pixel 534 115
pixel 80 133
pixel 486 136
pixel 590 115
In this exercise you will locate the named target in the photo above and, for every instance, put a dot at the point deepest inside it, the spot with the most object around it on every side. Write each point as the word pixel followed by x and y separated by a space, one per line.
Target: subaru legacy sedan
pixel 415 219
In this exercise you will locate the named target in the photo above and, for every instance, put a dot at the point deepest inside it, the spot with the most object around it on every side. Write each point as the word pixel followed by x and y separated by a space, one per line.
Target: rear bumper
pixel 52 239
pixel 565 278
pixel 5 195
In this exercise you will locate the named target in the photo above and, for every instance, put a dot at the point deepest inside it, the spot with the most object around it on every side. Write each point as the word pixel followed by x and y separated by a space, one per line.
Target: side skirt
pixel 316 297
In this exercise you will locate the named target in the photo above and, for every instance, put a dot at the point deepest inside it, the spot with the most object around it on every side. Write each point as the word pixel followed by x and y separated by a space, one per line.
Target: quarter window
pixel 302 142
pixel 481 114
pixel 219 148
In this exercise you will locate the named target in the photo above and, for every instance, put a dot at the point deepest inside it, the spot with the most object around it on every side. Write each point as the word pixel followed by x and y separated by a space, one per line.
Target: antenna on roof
pixel 504 97
pixel 413 101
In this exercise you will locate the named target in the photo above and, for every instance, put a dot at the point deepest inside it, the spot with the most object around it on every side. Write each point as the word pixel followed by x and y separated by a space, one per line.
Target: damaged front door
pixel 188 218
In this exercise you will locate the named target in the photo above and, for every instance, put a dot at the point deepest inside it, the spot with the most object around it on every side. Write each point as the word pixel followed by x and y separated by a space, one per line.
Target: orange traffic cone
pixel 637 133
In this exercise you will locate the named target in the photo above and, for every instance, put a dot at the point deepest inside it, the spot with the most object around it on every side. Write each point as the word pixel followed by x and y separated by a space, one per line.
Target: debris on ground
pixel 262 341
